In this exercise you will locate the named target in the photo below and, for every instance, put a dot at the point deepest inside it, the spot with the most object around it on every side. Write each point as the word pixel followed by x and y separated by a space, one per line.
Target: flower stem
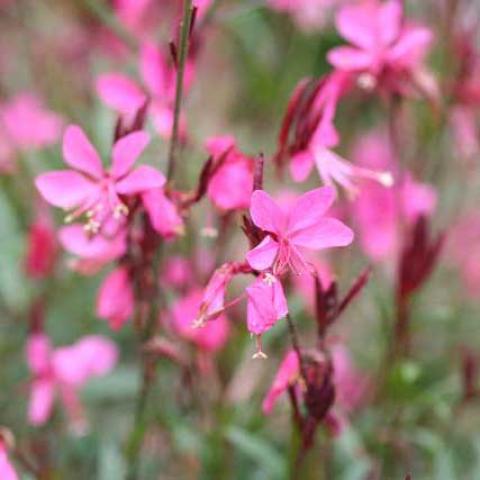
pixel 182 59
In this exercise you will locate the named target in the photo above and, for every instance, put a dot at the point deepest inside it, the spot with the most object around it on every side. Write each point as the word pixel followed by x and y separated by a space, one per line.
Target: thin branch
pixel 182 59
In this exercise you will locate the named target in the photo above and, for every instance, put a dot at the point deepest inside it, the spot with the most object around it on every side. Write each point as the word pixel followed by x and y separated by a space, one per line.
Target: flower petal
pixel 64 188
pixel 301 165
pixel 329 232
pixel 126 151
pixel 309 208
pixel 80 154
pixel 154 70
pixel 349 58
pixel 41 401
pixel 263 255
pixel 120 93
pixel 139 180
pixel 357 24
pixel 265 212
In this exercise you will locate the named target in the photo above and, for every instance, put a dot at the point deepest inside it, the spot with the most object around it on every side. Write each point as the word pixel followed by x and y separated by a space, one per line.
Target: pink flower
pixel 379 210
pixel 177 272
pixel 266 305
pixel 88 189
pixel 64 371
pixel 287 376
pixel 159 78
pixel 133 14
pixel 302 226
pixel 115 300
pixel 7 472
pixel 212 336
pixel 383 44
pixel 27 124
pixel 231 184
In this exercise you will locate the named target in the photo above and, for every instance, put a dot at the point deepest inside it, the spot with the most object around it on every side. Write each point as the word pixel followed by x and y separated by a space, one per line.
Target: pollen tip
pixel 386 179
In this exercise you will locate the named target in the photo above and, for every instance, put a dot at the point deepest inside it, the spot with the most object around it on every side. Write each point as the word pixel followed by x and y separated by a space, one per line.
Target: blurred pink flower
pixel 177 272
pixel 159 78
pixel 115 299
pixel 266 305
pixel 88 189
pixel 385 47
pixel 231 183
pixel 380 211
pixel 210 337
pixel 133 14
pixel 7 472
pixel 64 371
pixel 287 376
pixel 27 124
pixel 303 225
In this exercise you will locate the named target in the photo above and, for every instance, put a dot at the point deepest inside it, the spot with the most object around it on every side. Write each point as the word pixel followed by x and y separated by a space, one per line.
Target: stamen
pixel 269 279
pixel 120 210
pixel 259 354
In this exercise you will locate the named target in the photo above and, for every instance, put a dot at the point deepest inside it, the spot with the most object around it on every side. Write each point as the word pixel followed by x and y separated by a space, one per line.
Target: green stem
pixel 182 58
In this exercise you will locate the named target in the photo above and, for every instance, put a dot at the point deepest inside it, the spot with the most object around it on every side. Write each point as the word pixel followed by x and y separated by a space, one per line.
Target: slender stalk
pixel 182 59
pixel 292 330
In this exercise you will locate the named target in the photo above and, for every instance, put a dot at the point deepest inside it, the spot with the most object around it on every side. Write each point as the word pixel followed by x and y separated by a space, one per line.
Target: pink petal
pixel 75 240
pixel 286 376
pixel 411 47
pixel 349 58
pixel 126 151
pixel 301 165
pixel 64 188
pixel 140 180
pixel 357 24
pixel 263 255
pixel 327 233
pixel 389 21
pixel 154 69
pixel 309 208
pixel 115 298
pixel 38 353
pixel 162 212
pixel 41 401
pixel 265 213
pixel 7 472
pixel 80 154
pixel 120 93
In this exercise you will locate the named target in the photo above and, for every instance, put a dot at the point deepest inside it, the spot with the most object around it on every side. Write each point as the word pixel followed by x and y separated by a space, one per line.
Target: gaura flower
pixel 89 189
pixel 27 124
pixel 383 45
pixel 63 371
pixel 115 300
pixel 163 213
pixel 230 186
pixel 266 305
pixel 301 226
pixel 159 78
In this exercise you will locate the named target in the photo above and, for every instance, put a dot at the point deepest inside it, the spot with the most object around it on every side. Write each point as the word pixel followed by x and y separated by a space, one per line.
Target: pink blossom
pixel 88 189
pixel 212 336
pixel 230 186
pixel 7 472
pixel 301 226
pixel 177 272
pixel 266 305
pixel 159 78
pixel 287 376
pixel 133 14
pixel 27 124
pixel 63 371
pixel 115 300
pixel 379 210
pixel 383 44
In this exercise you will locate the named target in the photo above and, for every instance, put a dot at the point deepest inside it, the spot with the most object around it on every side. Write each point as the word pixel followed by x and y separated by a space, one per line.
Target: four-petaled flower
pixel 91 190
pixel 303 225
